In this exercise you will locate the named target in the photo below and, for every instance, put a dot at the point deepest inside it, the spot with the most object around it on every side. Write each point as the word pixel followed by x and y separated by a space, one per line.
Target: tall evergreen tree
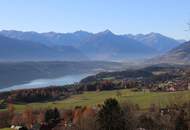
pixel 52 115
pixel 111 116
pixel 56 114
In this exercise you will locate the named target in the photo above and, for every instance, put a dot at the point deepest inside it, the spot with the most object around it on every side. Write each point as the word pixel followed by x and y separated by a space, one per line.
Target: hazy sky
pixel 169 17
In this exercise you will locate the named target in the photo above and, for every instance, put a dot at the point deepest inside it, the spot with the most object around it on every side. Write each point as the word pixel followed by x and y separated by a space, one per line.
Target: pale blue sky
pixel 169 17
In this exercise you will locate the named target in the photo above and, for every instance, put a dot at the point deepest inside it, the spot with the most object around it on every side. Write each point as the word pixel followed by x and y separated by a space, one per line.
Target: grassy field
pixel 143 99
pixel 6 129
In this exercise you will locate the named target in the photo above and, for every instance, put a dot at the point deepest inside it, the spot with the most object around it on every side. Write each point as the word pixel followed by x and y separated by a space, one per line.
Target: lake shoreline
pixel 42 83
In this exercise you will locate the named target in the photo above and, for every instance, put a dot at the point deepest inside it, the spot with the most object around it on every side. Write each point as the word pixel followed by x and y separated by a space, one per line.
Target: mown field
pixel 143 99
pixel 6 129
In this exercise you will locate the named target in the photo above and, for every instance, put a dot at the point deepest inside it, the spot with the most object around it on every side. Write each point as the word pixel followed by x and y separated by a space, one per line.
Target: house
pixel 18 127
pixel 141 129
pixel 171 89
pixel 164 111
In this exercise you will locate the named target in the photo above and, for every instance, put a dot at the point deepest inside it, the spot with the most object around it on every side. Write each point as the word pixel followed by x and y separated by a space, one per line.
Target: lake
pixel 39 83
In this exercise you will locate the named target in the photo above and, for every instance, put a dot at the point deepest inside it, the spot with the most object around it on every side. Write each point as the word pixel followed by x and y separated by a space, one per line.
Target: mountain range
pixel 157 41
pixel 82 45
pixel 20 50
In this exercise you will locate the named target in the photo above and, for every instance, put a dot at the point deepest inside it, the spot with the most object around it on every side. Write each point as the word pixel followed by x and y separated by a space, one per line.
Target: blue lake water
pixel 39 83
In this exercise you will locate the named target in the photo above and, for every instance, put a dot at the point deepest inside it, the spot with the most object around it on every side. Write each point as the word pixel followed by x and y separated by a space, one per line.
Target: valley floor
pixel 143 99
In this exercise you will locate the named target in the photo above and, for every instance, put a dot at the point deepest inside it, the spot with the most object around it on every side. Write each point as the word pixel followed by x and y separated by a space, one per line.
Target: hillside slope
pixel 178 55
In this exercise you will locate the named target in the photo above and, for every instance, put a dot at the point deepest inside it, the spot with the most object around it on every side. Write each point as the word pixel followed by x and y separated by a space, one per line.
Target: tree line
pixel 111 115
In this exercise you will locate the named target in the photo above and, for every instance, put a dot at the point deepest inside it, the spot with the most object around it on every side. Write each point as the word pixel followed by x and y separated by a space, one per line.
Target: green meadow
pixel 143 99
pixel 6 129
